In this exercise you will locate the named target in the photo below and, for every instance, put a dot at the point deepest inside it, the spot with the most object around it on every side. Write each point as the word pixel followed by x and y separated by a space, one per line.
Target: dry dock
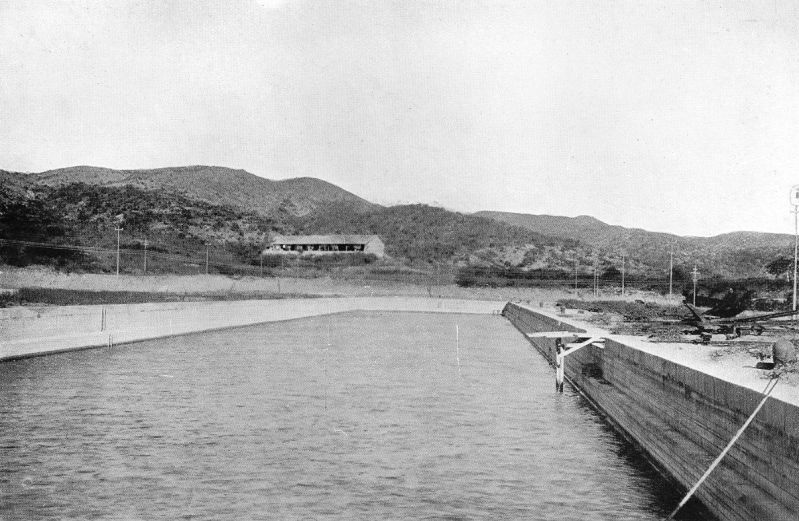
pixel 683 411
pixel 669 399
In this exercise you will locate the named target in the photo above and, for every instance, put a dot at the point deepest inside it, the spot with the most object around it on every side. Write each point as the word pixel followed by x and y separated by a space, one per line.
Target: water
pixel 356 416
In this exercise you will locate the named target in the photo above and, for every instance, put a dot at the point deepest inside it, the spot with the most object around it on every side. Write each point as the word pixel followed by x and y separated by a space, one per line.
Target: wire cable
pixel 767 392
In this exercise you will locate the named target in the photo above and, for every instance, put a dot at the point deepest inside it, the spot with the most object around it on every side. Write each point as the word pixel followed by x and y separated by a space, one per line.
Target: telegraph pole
pixel 622 274
pixel 575 271
pixel 206 259
pixel 671 269
pixel 696 277
pixel 596 281
pixel 145 256
pixel 262 265
pixel 282 267
pixel 118 229
pixel 795 248
pixel 795 203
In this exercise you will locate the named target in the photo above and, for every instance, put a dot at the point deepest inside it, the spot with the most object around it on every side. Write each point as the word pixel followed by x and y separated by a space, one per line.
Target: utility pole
pixel 596 280
pixel 622 274
pixel 282 265
pixel 575 271
pixel 118 229
pixel 671 269
pixel 795 203
pixel 795 249
pixel 696 277
pixel 262 265
pixel 206 259
pixel 145 256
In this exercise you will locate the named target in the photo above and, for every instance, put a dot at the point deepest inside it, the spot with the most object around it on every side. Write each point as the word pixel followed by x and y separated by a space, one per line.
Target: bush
pixel 497 277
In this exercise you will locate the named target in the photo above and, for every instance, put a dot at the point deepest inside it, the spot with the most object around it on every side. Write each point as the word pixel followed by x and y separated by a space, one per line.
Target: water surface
pixel 353 416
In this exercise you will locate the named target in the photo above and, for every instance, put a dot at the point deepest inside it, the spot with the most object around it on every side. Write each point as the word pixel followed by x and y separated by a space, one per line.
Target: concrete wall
pixel 32 331
pixel 684 418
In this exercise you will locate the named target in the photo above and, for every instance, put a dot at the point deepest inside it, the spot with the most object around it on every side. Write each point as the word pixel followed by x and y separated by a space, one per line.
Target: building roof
pixel 324 239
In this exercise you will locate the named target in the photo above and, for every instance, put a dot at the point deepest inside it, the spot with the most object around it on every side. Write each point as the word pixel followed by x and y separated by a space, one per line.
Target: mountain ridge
pixel 739 253
pixel 215 184
pixel 594 222
pixel 312 205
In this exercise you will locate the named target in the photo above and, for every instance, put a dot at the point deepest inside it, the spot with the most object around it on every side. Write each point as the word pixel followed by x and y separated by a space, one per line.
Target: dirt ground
pixel 744 359
pixel 11 278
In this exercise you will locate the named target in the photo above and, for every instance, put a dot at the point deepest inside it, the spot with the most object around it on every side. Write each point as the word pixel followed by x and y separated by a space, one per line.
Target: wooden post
pixel 575 271
pixel 671 270
pixel 622 274
pixel 118 229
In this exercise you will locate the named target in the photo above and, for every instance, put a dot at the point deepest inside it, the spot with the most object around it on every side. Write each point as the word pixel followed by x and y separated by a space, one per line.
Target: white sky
pixel 673 116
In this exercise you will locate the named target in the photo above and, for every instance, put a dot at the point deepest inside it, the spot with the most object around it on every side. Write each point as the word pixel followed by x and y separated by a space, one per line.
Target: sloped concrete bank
pixel 684 418
pixel 32 331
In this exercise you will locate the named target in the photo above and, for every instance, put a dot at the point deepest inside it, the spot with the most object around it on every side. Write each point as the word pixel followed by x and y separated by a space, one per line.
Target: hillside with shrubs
pixel 189 219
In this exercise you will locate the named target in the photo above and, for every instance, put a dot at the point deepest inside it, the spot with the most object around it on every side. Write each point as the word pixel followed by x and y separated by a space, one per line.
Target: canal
pixel 349 416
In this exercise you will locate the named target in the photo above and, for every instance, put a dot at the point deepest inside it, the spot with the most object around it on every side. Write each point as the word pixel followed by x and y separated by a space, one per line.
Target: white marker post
pixel 458 348
pixel 559 370
pixel 562 351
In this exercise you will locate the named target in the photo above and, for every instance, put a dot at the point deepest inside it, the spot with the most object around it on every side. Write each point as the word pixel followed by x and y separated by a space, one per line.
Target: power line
pixel 90 249
pixel 184 258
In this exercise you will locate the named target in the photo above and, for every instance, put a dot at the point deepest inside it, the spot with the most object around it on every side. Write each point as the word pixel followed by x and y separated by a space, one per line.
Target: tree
pixel 681 273
pixel 32 221
pixel 733 302
pixel 780 266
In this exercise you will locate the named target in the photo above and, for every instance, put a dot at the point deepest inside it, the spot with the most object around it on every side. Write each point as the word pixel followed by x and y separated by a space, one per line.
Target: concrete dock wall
pixel 683 419
pixel 33 331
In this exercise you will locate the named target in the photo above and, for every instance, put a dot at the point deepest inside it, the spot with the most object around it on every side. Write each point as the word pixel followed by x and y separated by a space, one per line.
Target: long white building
pixel 326 244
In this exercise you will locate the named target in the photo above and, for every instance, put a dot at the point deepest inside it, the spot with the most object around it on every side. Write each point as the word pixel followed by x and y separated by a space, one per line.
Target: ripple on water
pixel 270 422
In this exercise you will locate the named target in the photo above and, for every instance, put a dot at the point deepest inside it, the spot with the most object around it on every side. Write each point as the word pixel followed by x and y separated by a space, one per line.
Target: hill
pixel 13 185
pixel 737 254
pixel 185 208
pixel 217 185
pixel 73 227
pixel 93 199
pixel 86 215
pixel 581 228
pixel 424 233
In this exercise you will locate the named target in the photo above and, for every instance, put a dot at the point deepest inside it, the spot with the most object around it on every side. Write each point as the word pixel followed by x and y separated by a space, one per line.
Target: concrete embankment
pixel 33 331
pixel 683 418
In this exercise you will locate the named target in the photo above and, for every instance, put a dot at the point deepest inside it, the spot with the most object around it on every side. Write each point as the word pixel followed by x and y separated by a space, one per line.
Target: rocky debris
pixel 636 311
pixel 783 352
